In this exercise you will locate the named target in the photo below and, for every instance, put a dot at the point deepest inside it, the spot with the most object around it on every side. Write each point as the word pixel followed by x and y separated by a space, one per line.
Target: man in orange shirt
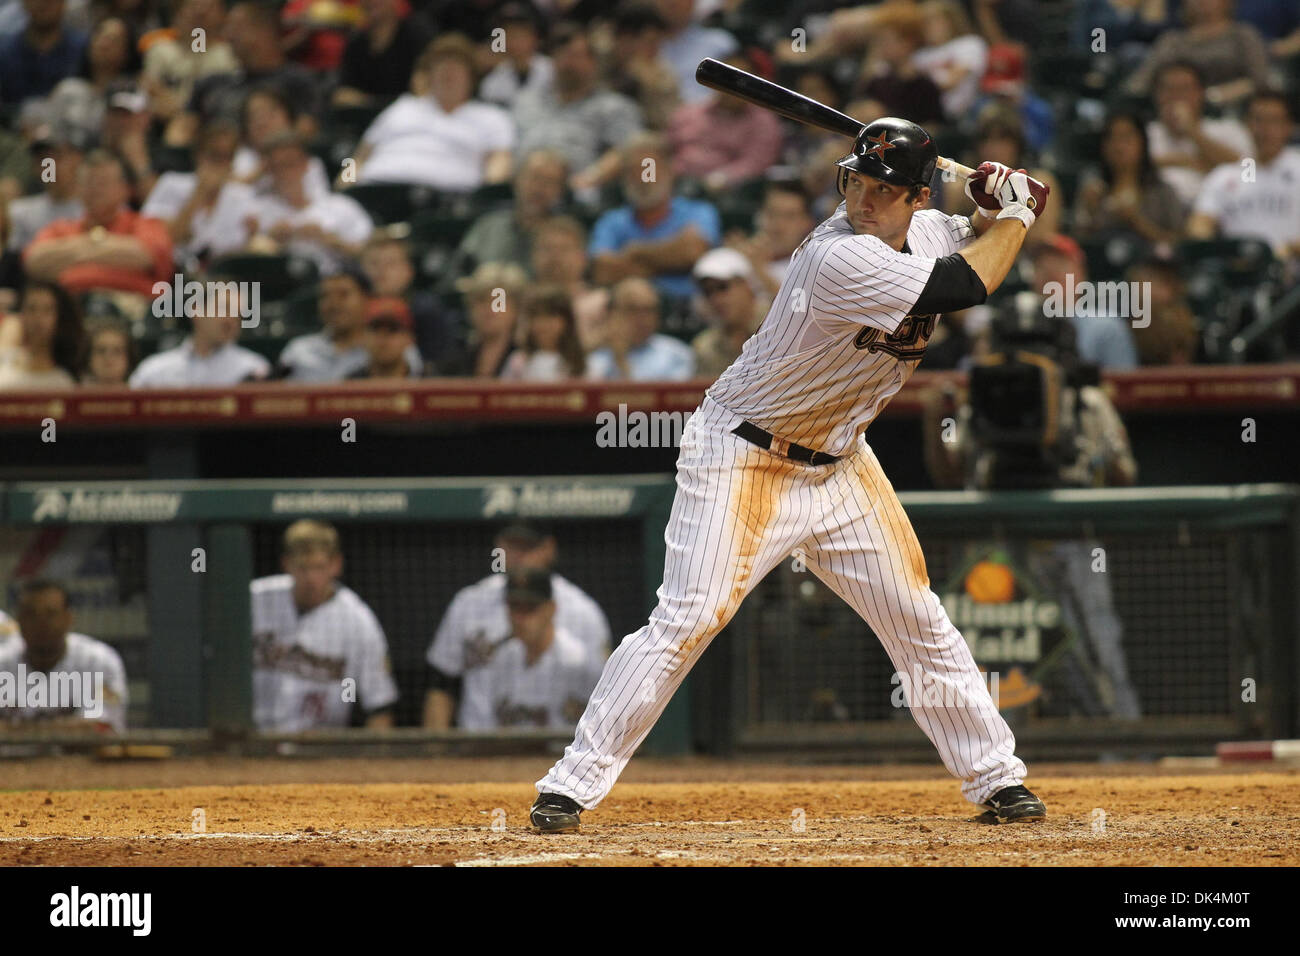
pixel 111 247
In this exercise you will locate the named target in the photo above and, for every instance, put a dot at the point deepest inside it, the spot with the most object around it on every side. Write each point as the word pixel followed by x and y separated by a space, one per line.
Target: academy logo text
pixel 75 908
pixel 125 505
pixel 537 499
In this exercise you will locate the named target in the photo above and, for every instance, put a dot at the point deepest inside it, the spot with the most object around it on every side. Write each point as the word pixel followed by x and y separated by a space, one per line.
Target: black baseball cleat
pixel 555 813
pixel 1013 805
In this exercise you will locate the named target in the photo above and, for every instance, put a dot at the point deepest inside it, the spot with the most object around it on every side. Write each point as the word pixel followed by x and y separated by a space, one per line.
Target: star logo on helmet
pixel 882 144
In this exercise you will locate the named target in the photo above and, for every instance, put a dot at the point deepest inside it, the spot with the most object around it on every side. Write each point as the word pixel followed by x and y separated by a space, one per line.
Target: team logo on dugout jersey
pixel 905 344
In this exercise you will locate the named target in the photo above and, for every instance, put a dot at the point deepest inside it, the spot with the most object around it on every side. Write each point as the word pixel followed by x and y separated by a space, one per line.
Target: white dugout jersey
pixel 477 622
pixel 840 338
pixel 106 701
pixel 551 693
pixel 301 661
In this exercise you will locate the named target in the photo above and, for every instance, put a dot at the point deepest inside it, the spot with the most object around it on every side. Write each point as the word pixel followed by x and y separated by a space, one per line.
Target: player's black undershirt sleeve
pixel 436 679
pixel 952 285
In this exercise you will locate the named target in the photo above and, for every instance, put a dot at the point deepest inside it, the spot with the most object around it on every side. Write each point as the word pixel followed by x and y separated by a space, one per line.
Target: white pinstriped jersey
pixel 552 692
pixel 477 623
pixel 300 660
pixel 840 339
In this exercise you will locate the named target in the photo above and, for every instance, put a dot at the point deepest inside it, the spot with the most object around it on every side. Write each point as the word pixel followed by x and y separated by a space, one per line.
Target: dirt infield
pixel 693 812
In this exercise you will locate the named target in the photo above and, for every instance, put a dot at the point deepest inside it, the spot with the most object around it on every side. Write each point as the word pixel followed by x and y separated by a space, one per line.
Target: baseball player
pixel 477 624
pixel 310 635
pixel 85 680
pixel 774 460
pixel 540 677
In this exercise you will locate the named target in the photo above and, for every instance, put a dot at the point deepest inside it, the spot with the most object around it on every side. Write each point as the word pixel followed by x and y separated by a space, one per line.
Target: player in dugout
pixel 541 676
pixel 477 622
pixel 318 649
pixel 84 685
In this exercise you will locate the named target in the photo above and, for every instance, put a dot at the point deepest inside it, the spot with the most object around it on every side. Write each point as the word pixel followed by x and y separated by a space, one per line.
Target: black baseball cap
pixel 528 586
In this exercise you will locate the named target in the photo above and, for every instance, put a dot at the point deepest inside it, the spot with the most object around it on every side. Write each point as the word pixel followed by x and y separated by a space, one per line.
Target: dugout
pixel 1204 580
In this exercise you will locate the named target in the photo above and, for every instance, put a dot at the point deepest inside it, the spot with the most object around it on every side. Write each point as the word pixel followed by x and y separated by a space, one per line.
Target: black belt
pixel 766 440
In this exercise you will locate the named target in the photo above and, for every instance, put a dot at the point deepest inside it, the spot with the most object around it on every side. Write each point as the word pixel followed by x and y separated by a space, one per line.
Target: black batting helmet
pixel 892 149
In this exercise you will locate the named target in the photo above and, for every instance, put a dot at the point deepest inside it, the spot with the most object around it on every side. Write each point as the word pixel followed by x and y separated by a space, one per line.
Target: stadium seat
pixel 279 275
pixel 491 196
pixel 439 228
pixel 1230 284
pixel 267 346
pixel 738 205
pixel 1241 263
pixel 388 203
pixel 172 159
pixel 1110 256
pixel 300 313
pixel 349 122
pixel 952 141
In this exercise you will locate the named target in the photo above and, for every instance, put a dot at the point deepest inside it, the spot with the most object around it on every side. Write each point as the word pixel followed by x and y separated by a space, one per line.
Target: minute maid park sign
pixel 1012 626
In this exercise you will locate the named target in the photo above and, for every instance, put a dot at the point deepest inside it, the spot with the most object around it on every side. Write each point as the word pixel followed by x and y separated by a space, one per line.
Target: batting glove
pixel 1022 197
pixel 983 186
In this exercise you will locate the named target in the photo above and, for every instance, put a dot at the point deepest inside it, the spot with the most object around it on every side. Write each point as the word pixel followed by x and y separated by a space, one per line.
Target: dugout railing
pixel 1204 582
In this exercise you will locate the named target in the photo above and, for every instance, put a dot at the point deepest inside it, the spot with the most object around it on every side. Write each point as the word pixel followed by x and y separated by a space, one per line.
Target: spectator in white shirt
pixel 208 356
pixel 338 351
pixel 688 43
pixel 551 351
pixel 954 56
pixel 206 211
pixel 635 350
pixel 328 228
pixel 521 65
pixel 51 324
pixel 436 135
pixel 1267 204
pixel 1184 144
pixel 267 113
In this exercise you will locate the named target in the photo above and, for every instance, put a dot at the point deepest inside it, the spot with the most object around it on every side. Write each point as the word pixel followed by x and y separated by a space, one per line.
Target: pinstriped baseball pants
pixel 739 511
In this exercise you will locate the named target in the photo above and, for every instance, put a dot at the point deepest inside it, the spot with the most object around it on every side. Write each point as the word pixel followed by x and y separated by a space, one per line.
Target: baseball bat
pixel 786 102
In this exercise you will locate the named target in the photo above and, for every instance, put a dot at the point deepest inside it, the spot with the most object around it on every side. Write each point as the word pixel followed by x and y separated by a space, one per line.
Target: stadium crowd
pixel 536 192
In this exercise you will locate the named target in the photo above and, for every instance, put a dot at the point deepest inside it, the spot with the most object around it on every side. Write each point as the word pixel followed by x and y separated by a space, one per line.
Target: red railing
pixel 1185 388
